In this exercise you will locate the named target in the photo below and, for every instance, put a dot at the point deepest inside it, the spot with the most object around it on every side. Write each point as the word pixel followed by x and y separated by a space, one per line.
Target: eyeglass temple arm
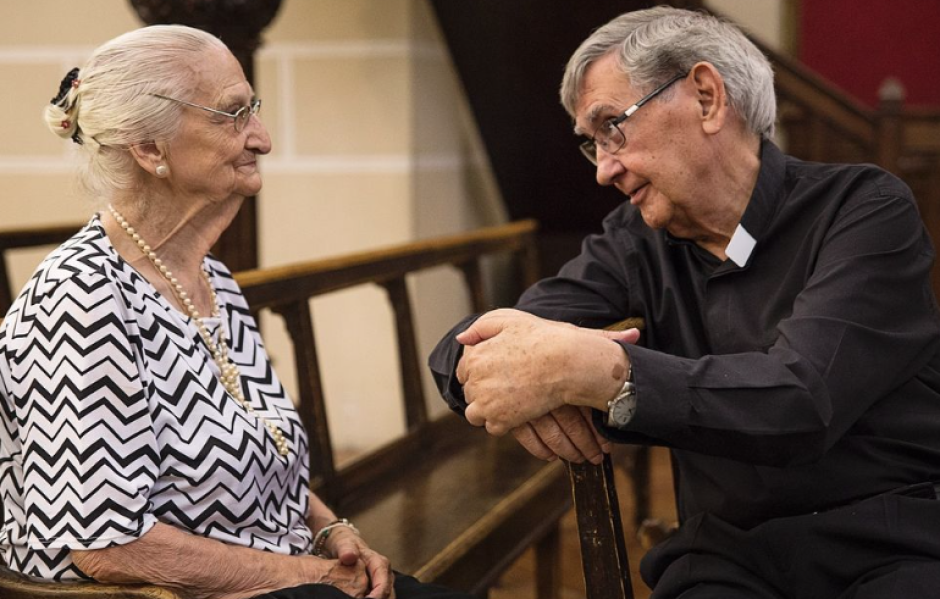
pixel 655 92
pixel 206 108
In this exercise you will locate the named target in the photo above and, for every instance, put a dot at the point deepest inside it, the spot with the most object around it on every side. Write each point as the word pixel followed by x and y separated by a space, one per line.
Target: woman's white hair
pixel 112 107
pixel 655 44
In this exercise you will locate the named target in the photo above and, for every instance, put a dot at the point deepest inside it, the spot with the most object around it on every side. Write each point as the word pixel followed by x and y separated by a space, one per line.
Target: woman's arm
pixel 320 514
pixel 348 548
pixel 207 569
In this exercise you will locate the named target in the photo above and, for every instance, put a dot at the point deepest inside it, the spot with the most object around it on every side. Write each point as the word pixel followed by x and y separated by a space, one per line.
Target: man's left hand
pixel 566 433
pixel 517 367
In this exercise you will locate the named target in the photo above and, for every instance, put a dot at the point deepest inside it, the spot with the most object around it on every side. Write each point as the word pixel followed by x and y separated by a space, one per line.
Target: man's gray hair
pixel 655 44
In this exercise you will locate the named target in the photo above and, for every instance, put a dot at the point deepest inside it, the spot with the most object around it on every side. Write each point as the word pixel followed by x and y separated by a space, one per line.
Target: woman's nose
pixel 258 138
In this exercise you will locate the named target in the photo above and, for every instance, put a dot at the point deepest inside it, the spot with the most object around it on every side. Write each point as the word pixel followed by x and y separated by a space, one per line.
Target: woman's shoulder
pixel 88 252
pixel 78 267
pixel 224 283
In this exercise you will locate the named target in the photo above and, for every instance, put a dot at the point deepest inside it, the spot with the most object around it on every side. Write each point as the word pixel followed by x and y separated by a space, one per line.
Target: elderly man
pixel 791 359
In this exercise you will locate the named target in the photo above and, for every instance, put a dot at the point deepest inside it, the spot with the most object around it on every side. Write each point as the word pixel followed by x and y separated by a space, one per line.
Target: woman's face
pixel 208 158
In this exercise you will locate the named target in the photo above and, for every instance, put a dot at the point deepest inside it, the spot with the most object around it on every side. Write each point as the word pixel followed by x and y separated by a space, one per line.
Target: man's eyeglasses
pixel 240 116
pixel 608 136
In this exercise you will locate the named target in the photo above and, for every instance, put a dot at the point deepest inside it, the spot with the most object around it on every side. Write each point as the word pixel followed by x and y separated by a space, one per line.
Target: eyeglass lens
pixel 243 114
pixel 609 136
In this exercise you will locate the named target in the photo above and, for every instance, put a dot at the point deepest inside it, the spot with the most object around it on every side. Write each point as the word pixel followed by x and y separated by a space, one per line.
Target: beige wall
pixel 36 50
pixel 372 146
pixel 761 18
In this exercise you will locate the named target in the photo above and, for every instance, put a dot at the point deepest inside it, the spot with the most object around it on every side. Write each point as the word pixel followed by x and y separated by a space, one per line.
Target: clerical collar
pixel 740 247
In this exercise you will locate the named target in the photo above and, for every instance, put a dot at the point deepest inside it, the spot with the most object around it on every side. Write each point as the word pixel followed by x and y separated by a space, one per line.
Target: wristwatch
pixel 620 409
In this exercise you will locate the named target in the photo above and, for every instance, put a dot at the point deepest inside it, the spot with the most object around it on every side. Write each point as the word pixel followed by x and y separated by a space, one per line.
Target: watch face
pixel 622 411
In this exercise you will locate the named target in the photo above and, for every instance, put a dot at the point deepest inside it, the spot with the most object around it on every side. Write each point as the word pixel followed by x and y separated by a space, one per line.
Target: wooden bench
pixel 446 502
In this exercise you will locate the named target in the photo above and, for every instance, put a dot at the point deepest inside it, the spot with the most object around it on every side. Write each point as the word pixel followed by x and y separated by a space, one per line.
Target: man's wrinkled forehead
pixel 604 93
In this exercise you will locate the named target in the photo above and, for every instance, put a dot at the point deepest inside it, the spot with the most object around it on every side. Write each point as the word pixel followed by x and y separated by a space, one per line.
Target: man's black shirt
pixel 805 379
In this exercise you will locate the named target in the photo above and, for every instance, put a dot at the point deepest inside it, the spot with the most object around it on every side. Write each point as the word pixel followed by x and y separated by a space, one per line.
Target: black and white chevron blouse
pixel 113 418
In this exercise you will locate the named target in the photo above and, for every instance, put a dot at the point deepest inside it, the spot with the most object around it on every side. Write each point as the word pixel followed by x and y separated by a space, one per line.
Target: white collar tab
pixel 740 247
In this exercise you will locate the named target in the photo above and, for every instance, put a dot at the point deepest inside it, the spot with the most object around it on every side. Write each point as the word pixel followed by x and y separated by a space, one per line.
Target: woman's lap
pixel 406 587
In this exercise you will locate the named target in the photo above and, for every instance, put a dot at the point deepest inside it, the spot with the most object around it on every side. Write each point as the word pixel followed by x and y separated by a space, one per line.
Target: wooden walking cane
pixel 603 549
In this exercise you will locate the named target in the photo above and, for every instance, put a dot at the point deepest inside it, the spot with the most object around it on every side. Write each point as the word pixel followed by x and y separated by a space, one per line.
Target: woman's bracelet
pixel 319 541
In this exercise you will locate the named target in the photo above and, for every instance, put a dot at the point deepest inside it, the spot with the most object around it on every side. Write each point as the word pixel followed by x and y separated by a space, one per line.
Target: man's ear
pixel 711 95
pixel 149 156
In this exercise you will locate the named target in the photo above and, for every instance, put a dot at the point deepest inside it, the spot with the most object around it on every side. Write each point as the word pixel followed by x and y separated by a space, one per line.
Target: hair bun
pixel 61 114
pixel 65 86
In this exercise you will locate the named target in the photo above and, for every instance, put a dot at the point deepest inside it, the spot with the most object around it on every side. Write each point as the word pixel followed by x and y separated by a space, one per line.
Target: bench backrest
pixel 26 237
pixel 287 292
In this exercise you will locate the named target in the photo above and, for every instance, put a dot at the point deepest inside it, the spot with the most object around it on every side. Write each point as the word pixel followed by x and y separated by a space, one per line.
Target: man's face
pixel 658 166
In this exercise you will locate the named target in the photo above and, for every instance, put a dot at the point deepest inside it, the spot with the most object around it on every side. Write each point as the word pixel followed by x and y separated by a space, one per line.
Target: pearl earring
pixel 162 170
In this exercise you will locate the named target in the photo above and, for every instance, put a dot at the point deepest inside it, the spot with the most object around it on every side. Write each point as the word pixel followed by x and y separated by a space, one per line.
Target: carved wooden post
pixel 416 408
pixel 239 24
pixel 889 132
pixel 603 549
pixel 529 260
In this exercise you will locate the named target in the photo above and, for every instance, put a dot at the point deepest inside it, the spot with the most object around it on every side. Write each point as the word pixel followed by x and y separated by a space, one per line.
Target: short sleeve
pixel 85 432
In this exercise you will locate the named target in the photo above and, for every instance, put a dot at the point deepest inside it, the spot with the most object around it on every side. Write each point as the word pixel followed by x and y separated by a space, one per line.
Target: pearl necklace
pixel 228 371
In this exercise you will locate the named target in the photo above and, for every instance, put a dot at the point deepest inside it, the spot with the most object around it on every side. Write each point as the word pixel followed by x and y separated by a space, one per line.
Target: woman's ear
pixel 150 157
pixel 711 95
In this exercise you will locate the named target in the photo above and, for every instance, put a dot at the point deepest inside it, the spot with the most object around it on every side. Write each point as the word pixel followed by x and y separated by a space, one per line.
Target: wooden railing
pixel 446 503
pixel 287 291
pixel 821 123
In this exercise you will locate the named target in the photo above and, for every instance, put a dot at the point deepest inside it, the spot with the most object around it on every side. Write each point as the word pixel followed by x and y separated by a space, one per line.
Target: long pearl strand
pixel 228 371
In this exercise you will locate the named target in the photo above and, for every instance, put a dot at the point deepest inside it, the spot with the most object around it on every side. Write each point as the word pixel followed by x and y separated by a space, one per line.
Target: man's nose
pixel 608 167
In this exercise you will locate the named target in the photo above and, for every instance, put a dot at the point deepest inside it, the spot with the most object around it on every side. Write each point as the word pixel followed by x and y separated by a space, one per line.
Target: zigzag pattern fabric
pixel 112 418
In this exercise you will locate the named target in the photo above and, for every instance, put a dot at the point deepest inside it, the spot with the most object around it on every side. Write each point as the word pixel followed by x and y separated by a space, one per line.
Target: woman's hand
pixel 204 568
pixel 351 579
pixel 349 549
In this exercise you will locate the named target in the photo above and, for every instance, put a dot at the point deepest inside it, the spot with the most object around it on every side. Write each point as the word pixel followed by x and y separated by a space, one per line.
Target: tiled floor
pixel 518 582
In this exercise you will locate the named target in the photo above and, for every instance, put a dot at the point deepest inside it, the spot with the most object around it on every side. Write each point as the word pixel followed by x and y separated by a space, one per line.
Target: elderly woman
pixel 145 436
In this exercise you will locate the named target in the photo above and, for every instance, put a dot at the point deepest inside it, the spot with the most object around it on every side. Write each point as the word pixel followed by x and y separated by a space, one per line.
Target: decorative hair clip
pixel 70 80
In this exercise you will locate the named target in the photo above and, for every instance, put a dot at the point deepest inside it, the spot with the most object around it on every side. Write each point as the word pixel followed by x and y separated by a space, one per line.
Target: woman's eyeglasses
pixel 240 116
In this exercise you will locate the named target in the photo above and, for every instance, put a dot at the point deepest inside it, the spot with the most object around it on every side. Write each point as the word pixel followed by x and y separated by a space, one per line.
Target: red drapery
pixel 856 44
